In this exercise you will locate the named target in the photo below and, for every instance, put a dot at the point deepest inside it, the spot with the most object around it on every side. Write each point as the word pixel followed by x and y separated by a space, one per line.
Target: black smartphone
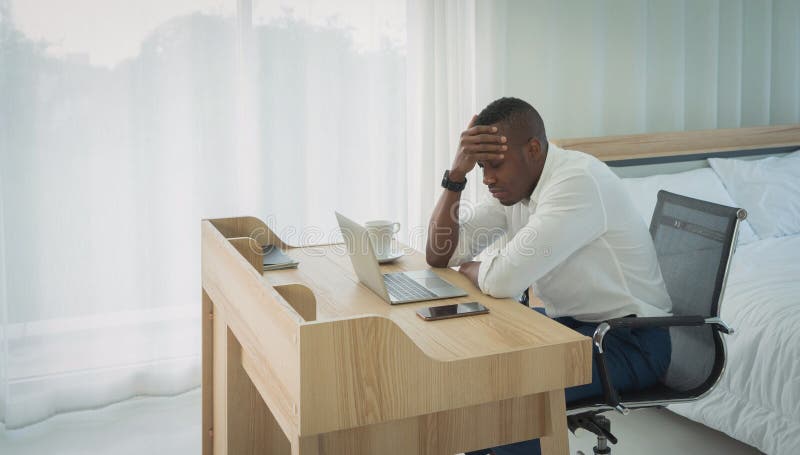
pixel 456 310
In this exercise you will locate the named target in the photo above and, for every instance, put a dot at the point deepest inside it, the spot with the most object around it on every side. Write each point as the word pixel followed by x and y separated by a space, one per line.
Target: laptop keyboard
pixel 401 287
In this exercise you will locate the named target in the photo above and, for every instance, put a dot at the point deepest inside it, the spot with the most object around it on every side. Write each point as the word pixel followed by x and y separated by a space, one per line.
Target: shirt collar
pixel 553 153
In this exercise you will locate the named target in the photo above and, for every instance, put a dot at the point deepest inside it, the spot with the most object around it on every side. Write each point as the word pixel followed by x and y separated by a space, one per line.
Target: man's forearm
pixel 443 229
pixel 477 143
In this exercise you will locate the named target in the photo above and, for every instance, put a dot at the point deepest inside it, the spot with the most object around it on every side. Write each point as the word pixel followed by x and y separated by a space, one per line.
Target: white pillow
pixel 698 183
pixel 769 189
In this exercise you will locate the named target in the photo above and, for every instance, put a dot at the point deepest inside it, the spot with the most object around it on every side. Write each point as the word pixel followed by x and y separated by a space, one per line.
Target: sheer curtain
pixel 123 124
pixel 116 127
pixel 455 68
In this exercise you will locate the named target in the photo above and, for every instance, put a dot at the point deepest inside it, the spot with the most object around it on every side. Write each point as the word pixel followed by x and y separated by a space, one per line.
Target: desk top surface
pixel 509 326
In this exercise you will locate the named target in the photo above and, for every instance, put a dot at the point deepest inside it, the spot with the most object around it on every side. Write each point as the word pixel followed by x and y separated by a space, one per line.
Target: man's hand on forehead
pixel 478 143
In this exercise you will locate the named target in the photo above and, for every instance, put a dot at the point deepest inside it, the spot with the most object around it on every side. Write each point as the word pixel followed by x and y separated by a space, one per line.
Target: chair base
pixel 597 424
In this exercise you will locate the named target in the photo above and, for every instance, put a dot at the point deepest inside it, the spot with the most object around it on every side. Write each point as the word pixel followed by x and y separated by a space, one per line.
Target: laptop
pixel 399 287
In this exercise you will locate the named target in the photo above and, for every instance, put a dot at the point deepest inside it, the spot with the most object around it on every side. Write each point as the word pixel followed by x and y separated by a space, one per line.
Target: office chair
pixel 694 242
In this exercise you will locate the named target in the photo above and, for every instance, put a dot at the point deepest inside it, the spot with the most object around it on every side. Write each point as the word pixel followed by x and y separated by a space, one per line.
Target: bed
pixel 757 400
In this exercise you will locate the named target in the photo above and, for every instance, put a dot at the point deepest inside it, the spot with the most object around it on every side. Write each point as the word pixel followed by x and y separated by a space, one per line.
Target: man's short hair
pixel 518 115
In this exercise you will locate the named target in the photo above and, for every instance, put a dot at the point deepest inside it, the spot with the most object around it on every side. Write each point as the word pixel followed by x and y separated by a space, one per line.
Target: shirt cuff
pixel 456 260
pixel 483 270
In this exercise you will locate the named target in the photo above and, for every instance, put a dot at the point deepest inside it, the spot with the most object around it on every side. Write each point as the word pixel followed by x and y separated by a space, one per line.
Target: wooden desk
pixel 309 361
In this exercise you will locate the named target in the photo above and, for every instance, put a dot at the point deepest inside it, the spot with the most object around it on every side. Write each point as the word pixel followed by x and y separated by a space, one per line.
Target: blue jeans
pixel 636 359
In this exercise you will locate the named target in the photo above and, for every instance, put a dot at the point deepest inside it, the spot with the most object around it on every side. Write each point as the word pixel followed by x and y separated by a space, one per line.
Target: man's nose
pixel 488 177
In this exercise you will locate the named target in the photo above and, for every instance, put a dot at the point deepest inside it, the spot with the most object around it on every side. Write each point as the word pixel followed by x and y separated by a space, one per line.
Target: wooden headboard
pixel 637 149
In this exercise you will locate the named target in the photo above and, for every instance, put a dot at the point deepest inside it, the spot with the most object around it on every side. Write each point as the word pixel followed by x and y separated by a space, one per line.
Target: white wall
pixel 633 66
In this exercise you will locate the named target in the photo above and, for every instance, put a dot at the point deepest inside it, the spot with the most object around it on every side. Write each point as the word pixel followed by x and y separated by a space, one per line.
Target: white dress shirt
pixel 578 239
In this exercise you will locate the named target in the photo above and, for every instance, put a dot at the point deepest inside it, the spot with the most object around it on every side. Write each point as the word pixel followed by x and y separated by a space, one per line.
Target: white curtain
pixel 122 124
pixel 116 139
pixel 454 69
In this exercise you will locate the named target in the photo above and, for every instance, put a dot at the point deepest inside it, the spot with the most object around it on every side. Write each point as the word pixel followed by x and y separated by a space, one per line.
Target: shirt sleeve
pixel 479 227
pixel 570 215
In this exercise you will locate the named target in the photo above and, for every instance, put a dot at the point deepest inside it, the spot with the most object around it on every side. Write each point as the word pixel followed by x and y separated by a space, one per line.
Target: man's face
pixel 512 178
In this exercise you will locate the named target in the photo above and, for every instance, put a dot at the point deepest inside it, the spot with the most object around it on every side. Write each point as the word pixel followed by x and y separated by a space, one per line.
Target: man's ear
pixel 535 149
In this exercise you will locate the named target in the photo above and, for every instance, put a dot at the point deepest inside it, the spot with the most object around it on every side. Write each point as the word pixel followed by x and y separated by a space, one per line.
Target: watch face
pixel 452 186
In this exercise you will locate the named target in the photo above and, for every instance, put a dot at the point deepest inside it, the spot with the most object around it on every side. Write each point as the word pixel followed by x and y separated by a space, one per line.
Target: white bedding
pixel 758 398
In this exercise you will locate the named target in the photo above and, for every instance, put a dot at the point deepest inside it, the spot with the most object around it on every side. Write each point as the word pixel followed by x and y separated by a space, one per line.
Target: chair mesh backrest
pixel 693 241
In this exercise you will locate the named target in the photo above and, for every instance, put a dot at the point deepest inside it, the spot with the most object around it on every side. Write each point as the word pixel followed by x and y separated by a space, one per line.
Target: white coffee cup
pixel 381 233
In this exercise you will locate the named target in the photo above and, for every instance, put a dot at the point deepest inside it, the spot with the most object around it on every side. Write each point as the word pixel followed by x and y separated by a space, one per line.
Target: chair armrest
pixel 668 321
pixel 610 394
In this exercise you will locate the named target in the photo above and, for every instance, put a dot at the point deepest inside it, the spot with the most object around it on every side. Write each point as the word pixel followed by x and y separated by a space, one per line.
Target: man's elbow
pixel 434 258
pixel 502 293
pixel 436 261
pixel 501 290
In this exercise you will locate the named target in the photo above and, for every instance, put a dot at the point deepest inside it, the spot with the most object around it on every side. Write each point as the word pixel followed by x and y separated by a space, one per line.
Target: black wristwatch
pixel 451 185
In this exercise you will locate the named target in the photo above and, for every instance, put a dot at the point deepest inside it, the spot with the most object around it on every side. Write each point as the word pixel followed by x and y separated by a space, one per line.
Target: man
pixel 562 221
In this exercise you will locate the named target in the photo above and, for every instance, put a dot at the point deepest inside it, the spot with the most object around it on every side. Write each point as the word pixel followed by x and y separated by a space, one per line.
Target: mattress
pixel 757 400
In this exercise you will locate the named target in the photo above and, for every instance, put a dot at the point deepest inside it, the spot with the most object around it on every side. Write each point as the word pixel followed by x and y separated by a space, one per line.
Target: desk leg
pixel 236 421
pixel 252 429
pixel 208 374
pixel 558 442
pixel 219 385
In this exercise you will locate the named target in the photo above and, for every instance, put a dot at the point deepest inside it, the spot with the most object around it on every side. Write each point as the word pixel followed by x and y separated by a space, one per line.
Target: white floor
pixel 172 426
